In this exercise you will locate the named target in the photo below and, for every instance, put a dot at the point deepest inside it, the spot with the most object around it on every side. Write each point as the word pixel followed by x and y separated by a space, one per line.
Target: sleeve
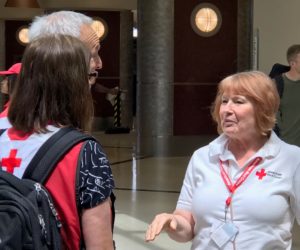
pixel 295 199
pixel 186 194
pixel 95 177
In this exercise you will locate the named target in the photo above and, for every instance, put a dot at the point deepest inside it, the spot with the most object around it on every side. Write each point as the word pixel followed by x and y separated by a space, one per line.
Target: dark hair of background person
pixel 11 82
pixel 11 79
pixel 292 52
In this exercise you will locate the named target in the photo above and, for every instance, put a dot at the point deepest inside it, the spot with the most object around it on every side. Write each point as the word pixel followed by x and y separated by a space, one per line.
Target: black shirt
pixel 95 177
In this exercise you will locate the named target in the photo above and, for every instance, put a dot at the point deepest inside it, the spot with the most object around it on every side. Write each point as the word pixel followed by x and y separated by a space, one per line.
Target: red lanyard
pixel 232 187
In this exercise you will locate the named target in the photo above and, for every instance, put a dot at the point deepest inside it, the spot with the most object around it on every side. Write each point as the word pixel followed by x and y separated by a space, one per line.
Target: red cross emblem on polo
pixel 261 174
pixel 11 162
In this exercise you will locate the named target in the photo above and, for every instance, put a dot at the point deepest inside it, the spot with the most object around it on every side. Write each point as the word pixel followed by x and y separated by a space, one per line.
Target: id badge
pixel 224 233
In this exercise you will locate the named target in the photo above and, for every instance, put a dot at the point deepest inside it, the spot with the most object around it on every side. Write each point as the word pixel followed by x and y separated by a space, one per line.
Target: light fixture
pixel 100 27
pixel 135 32
pixel 22 35
pixel 206 19
pixel 22 3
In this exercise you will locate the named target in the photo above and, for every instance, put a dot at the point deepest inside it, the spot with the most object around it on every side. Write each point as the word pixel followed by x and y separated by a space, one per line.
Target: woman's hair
pixel 259 89
pixel 53 86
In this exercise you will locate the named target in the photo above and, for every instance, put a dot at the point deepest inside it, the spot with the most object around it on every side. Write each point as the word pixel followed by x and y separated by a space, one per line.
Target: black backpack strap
pixel 2 131
pixel 51 152
pixel 279 84
pixel 278 69
pixel 280 88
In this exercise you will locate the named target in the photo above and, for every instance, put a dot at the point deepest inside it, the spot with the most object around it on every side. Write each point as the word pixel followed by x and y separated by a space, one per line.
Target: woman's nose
pixel 228 107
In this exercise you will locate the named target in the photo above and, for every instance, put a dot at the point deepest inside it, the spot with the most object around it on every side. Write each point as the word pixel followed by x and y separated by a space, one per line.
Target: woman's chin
pixel 229 131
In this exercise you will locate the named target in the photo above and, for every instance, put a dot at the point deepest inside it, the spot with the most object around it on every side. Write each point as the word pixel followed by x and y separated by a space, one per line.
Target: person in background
pixel 7 86
pixel 54 76
pixel 100 87
pixel 288 117
pixel 77 25
pixel 241 191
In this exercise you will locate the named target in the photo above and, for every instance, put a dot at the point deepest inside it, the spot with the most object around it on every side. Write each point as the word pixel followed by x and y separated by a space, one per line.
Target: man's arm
pixel 103 89
pixel 96 227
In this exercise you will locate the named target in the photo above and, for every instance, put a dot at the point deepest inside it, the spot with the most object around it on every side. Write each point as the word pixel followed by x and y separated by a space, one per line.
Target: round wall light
pixel 22 35
pixel 206 19
pixel 100 27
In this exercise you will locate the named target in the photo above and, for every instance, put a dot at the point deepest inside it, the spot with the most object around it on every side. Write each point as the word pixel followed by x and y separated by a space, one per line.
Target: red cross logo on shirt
pixel 261 174
pixel 11 162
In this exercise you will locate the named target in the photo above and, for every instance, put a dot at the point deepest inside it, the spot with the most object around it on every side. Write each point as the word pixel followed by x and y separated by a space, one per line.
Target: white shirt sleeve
pixel 295 199
pixel 187 189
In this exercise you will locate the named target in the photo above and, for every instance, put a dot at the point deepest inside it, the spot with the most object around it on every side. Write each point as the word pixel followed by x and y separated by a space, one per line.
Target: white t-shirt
pixel 263 207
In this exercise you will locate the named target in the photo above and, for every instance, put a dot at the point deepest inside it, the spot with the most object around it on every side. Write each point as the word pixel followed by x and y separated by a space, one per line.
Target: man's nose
pixel 98 63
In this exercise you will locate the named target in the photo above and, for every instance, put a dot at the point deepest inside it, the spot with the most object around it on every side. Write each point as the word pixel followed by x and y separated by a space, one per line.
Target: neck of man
pixel 293 75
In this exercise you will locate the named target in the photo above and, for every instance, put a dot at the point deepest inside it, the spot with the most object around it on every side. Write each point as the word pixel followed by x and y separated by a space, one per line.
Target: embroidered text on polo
pixel 11 162
pixel 261 174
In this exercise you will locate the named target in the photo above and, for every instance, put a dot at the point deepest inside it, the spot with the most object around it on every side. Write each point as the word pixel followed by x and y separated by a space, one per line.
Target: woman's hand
pixel 161 222
pixel 179 226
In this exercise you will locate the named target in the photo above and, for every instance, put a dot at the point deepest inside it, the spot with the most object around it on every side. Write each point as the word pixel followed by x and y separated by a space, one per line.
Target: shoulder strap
pixel 279 84
pixel 47 157
pixel 2 131
pixel 280 88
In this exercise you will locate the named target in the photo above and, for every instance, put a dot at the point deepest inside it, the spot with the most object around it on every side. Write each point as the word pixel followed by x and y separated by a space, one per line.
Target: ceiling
pixel 90 4
pixel 9 13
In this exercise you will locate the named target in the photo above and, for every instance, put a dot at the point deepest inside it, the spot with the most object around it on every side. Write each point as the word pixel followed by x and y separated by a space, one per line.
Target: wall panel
pixel 199 64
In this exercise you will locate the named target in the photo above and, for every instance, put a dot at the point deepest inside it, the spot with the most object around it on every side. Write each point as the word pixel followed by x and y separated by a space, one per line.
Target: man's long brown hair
pixel 53 86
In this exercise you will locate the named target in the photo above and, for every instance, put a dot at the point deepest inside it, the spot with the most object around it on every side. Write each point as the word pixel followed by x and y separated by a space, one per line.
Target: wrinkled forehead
pixel 89 37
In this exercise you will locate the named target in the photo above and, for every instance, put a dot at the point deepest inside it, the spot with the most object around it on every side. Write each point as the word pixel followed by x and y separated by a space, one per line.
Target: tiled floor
pixel 145 187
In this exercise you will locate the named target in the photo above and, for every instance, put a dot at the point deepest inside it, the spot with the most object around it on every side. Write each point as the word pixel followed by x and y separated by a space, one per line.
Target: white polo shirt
pixel 263 207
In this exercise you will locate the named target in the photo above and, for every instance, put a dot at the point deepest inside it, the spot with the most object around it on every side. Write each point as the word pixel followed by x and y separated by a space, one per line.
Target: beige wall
pixel 278 25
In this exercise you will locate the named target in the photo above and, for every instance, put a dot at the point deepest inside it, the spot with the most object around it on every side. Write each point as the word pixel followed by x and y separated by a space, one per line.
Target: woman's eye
pixel 238 101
